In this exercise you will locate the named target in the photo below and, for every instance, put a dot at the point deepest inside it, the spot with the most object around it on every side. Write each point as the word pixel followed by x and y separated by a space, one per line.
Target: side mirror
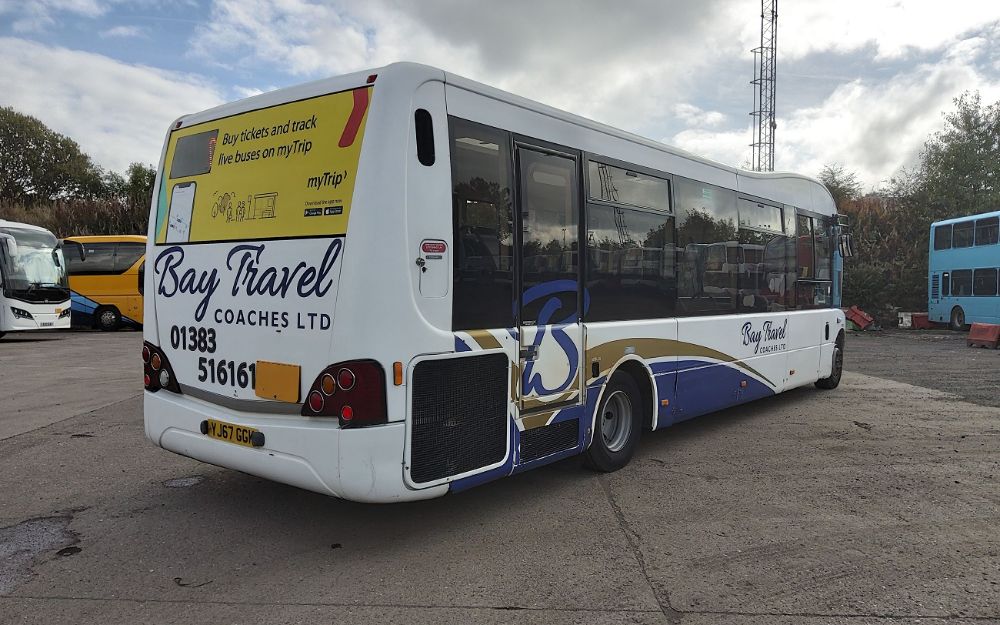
pixel 846 245
pixel 9 246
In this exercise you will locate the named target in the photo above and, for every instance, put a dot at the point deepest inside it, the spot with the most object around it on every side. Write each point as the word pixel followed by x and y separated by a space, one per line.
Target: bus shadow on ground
pixel 290 514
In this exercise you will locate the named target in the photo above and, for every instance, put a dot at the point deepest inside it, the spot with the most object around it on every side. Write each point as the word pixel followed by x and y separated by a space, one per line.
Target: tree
pixel 842 184
pixel 959 172
pixel 37 163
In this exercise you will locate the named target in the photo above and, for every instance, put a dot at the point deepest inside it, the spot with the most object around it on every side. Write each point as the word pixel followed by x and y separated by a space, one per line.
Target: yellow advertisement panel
pixel 280 172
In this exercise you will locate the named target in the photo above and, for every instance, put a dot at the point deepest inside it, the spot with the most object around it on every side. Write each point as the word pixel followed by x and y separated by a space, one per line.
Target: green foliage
pixel 960 166
pixel 45 179
pixel 37 163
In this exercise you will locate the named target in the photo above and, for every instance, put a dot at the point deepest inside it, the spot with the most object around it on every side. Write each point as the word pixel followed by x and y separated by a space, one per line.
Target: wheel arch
pixel 642 375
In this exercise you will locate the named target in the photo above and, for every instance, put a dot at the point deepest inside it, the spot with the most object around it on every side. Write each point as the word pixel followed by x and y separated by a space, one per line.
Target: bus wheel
pixel 957 318
pixel 617 427
pixel 108 318
pixel 833 381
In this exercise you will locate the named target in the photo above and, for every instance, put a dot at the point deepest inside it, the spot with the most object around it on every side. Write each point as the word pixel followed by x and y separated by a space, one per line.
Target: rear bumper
pixel 365 464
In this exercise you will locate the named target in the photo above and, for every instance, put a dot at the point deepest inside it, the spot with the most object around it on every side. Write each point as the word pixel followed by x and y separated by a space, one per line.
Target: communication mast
pixel 764 74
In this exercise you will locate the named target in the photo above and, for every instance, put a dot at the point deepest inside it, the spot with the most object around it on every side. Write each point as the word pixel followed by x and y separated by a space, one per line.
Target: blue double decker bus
pixel 963 264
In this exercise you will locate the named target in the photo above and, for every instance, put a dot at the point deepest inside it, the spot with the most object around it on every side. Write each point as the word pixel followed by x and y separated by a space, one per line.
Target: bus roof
pixel 955 220
pixel 16 224
pixel 791 188
pixel 108 238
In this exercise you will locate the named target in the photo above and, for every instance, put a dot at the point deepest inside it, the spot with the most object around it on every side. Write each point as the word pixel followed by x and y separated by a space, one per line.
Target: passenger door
pixel 550 329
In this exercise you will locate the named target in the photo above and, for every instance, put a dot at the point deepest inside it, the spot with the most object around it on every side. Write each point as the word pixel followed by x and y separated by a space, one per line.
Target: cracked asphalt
pixel 875 503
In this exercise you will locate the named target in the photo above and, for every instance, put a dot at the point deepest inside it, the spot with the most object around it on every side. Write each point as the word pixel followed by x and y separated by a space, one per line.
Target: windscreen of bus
pixel 284 171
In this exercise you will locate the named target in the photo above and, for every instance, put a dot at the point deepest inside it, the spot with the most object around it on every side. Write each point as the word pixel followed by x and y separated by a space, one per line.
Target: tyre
pixel 957 318
pixel 108 318
pixel 833 381
pixel 618 425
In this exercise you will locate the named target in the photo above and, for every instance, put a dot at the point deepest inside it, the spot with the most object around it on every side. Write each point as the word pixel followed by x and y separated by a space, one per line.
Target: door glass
pixel 550 245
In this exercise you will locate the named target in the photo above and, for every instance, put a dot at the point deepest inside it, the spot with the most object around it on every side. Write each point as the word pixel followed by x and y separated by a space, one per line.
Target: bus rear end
pixel 264 207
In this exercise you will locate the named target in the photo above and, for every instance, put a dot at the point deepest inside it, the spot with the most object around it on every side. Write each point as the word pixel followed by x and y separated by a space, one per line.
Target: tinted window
pixel 706 228
pixel 764 281
pixel 945 284
pixel 424 128
pixel 100 259
pixel 760 216
pixel 961 282
pixel 942 237
pixel 549 235
pixel 128 254
pixel 984 282
pixel 622 186
pixel 804 247
pixel 193 154
pixel 630 271
pixel 963 234
pixel 483 227
pixel 824 248
pixel 71 253
pixel 987 230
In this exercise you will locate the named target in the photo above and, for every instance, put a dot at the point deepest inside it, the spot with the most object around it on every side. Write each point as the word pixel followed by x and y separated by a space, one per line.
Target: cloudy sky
pixel 861 83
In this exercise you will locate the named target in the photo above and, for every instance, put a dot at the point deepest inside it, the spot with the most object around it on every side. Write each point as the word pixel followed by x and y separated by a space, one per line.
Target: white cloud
pixel 117 112
pixel 873 128
pixel 695 116
pixel 37 15
pixel 894 28
pixel 124 32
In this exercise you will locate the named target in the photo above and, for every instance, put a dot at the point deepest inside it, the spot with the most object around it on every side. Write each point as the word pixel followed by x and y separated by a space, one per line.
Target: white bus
pixel 34 291
pixel 399 283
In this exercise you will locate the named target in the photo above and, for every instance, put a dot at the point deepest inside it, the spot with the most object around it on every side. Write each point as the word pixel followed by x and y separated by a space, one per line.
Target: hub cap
pixel 616 421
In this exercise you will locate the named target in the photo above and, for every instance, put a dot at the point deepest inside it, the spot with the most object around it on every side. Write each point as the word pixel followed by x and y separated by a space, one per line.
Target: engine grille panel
pixel 540 442
pixel 459 415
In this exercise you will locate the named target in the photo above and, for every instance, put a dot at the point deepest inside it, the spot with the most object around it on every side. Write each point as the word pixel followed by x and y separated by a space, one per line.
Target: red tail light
pixel 357 397
pixel 157 372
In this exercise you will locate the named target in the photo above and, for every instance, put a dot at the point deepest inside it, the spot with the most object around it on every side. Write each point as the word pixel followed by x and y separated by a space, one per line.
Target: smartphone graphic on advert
pixel 181 207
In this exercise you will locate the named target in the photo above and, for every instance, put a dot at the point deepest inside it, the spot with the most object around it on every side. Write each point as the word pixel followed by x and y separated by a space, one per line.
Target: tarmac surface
pixel 874 503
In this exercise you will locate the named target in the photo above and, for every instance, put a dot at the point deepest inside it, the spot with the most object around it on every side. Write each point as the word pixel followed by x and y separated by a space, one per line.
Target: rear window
pixel 193 154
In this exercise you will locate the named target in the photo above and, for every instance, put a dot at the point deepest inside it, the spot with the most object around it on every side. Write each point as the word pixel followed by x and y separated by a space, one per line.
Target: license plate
pixel 46 324
pixel 230 433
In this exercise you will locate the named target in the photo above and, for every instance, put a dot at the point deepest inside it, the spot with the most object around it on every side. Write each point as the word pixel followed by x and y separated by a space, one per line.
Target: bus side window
pixel 807 268
pixel 945 284
pixel 127 255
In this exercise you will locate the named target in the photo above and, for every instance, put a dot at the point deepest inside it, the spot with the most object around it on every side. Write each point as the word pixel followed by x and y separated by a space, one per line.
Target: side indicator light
pixel 371 78
pixel 664 402
pixel 397 373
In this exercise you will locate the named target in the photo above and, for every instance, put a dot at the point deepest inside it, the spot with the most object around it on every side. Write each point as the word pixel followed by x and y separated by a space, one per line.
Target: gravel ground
pixel 937 359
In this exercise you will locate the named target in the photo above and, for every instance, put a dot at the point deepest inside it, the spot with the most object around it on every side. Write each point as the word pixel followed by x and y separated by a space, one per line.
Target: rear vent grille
pixel 459 416
pixel 935 286
pixel 540 442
